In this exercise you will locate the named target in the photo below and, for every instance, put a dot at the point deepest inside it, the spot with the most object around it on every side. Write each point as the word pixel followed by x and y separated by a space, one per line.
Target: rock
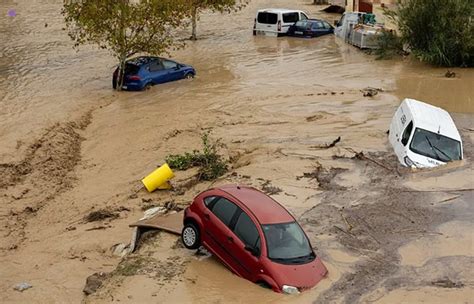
pixel 22 286
pixel 153 211
pixel 94 282
pixel 120 249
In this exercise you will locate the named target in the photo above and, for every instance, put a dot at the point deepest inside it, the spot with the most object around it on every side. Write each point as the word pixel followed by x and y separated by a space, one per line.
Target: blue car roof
pixel 313 20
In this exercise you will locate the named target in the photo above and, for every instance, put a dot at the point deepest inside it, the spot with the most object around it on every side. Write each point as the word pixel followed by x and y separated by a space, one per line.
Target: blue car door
pixel 328 28
pixel 318 29
pixel 157 72
pixel 173 69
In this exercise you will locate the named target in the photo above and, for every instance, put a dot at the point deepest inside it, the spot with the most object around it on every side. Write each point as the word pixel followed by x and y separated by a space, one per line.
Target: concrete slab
pixel 172 223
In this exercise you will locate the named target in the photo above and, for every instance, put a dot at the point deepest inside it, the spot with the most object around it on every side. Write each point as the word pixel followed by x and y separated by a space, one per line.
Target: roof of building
pixel 263 207
pixel 433 119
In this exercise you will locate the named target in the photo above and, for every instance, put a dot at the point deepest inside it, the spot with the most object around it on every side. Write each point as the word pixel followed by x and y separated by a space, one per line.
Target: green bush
pixel 389 45
pixel 211 164
pixel 440 32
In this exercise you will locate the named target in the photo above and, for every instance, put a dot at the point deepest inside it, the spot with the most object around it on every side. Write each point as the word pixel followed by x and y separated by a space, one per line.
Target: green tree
pixel 440 32
pixel 125 27
pixel 196 6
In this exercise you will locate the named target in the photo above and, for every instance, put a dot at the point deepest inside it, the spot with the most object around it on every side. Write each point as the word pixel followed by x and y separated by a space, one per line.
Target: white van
pixel 275 21
pixel 343 27
pixel 423 135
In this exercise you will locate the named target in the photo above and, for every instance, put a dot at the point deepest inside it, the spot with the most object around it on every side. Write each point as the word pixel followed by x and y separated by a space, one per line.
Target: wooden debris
pixel 327 146
pixel 370 92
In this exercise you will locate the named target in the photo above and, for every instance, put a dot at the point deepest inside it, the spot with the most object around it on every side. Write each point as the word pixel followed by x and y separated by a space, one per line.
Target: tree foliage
pixel 196 6
pixel 125 27
pixel 437 31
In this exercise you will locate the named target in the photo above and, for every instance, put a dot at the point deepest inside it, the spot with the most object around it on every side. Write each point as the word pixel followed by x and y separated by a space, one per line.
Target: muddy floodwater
pixel 70 146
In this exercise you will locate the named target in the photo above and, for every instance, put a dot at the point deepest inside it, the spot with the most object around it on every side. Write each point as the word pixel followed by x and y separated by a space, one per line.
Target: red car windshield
pixel 287 243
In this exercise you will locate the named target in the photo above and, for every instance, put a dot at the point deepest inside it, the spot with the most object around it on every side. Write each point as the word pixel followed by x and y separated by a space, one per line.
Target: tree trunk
pixel 121 73
pixel 194 23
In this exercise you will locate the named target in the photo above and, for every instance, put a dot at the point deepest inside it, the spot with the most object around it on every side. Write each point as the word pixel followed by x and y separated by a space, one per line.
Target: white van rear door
pixel 266 23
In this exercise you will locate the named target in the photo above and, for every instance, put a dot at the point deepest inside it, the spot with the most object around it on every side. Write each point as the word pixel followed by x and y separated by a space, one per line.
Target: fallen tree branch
pixel 447 190
pixel 344 231
pixel 449 199
pixel 327 146
pixel 362 156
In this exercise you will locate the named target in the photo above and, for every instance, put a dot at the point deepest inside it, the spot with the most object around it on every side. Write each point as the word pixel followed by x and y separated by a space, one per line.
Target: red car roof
pixel 265 209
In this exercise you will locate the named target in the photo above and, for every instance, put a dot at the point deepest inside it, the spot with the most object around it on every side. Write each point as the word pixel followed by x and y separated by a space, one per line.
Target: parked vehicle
pixel 145 71
pixel 276 21
pixel 423 135
pixel 254 236
pixel 310 28
pixel 358 29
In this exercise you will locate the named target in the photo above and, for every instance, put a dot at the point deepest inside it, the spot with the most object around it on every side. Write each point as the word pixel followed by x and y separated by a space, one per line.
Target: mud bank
pixel 274 103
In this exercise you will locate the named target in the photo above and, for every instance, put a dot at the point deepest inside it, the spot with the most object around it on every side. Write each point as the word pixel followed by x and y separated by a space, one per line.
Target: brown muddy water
pixel 70 146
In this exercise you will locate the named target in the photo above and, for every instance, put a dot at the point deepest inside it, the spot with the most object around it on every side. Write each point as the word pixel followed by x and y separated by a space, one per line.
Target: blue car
pixel 146 71
pixel 310 28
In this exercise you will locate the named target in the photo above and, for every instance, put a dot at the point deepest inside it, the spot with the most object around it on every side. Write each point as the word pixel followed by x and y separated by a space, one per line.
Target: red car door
pixel 218 235
pixel 246 245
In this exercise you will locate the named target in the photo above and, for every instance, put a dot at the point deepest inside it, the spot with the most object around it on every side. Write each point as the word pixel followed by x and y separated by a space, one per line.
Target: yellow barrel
pixel 158 179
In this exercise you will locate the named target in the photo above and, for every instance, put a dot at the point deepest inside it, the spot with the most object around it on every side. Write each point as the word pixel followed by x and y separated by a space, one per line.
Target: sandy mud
pixel 73 152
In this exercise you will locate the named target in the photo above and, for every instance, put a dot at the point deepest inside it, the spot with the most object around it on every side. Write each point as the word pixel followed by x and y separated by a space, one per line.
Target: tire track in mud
pixel 45 171
pixel 373 227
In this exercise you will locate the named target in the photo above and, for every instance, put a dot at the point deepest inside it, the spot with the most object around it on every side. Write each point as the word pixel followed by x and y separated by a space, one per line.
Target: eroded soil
pixel 73 153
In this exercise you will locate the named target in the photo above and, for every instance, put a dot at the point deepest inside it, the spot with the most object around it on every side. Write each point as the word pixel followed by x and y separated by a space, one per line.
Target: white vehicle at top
pixel 276 21
pixel 423 135
pixel 344 26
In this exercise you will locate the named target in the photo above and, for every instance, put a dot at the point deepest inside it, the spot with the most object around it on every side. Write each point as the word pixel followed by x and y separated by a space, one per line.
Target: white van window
pixel 341 22
pixel 407 133
pixel 290 17
pixel 435 146
pixel 303 16
pixel 267 18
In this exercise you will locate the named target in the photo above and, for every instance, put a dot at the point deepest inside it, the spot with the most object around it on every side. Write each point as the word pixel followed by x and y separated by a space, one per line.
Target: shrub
pixel 389 45
pixel 211 164
pixel 440 32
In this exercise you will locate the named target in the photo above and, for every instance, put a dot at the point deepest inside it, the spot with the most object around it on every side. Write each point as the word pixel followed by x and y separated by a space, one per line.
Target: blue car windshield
pixel 435 146
pixel 287 242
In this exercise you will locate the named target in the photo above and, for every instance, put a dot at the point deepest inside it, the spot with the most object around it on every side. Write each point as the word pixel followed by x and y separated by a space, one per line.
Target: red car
pixel 254 236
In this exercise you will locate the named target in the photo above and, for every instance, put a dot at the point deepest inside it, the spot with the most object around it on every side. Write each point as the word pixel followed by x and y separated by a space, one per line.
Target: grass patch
pixel 100 215
pixel 211 164
pixel 131 266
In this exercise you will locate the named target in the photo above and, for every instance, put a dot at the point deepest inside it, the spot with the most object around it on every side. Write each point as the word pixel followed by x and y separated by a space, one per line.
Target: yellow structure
pixel 158 179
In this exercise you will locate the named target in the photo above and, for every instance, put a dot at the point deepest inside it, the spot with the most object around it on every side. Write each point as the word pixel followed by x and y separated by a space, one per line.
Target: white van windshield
pixel 267 18
pixel 435 146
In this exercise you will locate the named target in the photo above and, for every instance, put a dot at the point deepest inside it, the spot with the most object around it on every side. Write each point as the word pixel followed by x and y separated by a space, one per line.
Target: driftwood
pixel 362 156
pixel 370 92
pixel 447 191
pixel 327 146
